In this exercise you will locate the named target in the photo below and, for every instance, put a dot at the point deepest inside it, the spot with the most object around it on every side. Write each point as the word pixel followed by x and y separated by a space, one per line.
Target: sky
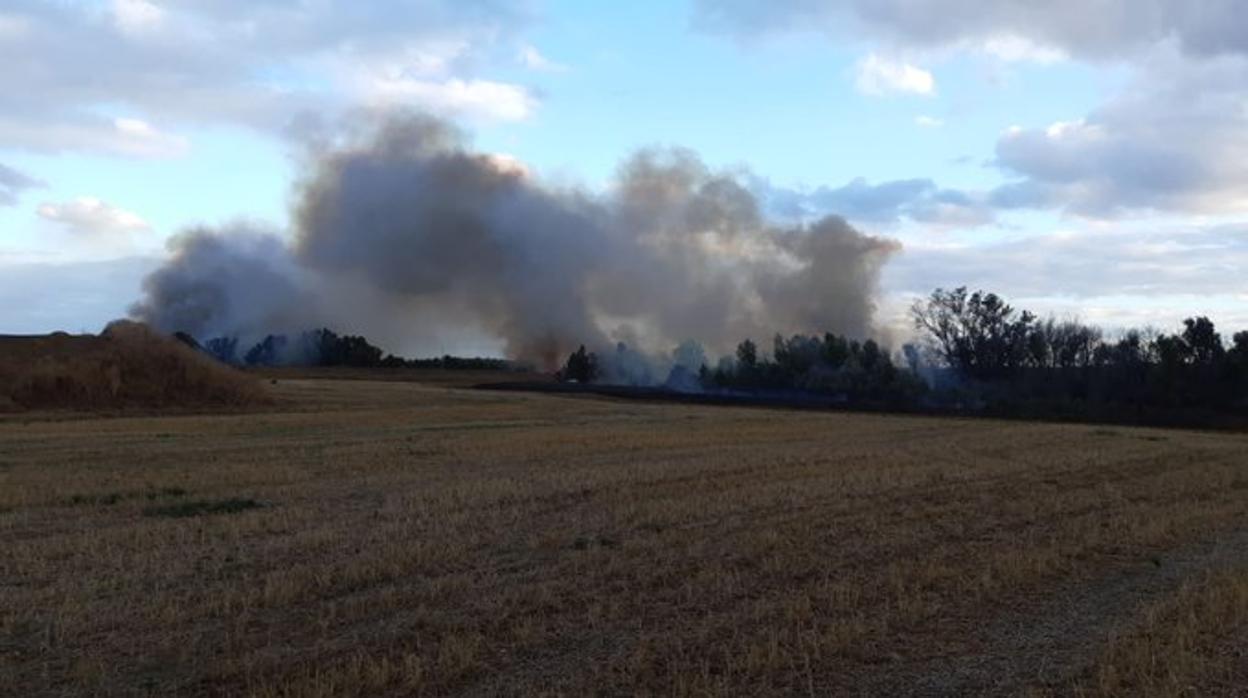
pixel 1082 158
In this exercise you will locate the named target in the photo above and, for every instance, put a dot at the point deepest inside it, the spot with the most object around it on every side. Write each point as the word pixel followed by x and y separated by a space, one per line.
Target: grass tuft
pixel 202 507
pixel 111 498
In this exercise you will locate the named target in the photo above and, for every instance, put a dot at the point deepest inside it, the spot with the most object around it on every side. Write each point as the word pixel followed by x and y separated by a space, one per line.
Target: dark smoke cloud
pixel 235 280
pixel 401 232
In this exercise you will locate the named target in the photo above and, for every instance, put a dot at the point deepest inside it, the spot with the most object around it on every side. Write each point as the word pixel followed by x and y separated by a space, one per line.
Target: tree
pixel 941 317
pixel 797 354
pixel 1171 351
pixel 270 351
pixel 914 358
pixel 1130 350
pixel 324 347
pixel 872 358
pixel 1075 344
pixel 1040 343
pixel 224 349
pixel 835 350
pixel 1239 344
pixel 979 334
pixel 747 355
pixel 582 367
pixel 1203 342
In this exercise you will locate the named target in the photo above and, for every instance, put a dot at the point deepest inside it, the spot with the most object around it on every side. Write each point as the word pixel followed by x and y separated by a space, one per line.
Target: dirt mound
pixel 127 365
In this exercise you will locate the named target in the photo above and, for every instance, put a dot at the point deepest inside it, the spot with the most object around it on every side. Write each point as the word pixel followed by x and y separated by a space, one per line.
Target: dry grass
pixel 430 540
pixel 1194 642
pixel 443 377
pixel 127 365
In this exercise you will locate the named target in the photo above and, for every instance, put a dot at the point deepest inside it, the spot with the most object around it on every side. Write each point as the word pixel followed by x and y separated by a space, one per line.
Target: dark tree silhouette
pixel 582 367
pixel 747 354
pixel 1204 344
pixel 224 349
pixel 979 333
pixel 1048 368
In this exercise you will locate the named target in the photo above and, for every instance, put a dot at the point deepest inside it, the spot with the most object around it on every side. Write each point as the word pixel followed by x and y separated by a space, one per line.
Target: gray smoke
pixel 403 233
pixel 237 280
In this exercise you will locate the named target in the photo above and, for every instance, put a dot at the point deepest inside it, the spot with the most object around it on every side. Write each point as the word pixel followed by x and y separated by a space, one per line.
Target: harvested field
pixel 368 537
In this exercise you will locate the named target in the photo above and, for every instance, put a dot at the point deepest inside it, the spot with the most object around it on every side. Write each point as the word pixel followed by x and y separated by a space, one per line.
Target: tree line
pixel 828 365
pixel 975 351
pixel 1013 358
pixel 324 347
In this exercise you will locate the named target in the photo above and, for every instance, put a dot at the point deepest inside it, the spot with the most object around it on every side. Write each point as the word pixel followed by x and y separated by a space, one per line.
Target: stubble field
pixel 398 538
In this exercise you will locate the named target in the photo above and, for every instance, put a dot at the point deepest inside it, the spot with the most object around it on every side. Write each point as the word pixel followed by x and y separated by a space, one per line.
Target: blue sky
pixel 1073 144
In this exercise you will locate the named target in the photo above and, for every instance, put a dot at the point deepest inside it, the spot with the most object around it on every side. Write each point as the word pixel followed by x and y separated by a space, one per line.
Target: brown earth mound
pixel 127 365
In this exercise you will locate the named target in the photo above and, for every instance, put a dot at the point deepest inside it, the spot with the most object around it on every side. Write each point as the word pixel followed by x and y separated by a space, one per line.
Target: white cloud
pixel 1176 269
pixel 1015 48
pixel 533 59
pixel 137 16
pixel 481 99
pixel 260 64
pixel 428 59
pixel 125 137
pixel 928 121
pixel 876 75
pixel 137 137
pixel 1175 140
pixel 92 216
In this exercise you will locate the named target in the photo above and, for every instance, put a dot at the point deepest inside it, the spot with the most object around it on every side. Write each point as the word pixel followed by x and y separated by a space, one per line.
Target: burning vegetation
pixel 831 366
pixel 974 352
pixel 405 234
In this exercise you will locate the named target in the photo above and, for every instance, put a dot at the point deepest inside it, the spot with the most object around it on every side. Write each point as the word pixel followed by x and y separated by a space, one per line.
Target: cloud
pixel 137 16
pixel 481 99
pixel 1125 276
pixel 925 121
pixel 13 183
pixel 887 203
pixel 877 76
pixel 1014 48
pixel 1175 140
pixel 40 297
pixel 86 132
pixel 176 65
pixel 137 137
pixel 12 27
pixel 89 215
pixel 1018 29
pixel 533 59
pixel 1144 261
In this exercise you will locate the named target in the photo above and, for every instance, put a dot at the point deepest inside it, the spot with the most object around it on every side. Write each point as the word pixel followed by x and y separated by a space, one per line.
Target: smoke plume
pixel 403 233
